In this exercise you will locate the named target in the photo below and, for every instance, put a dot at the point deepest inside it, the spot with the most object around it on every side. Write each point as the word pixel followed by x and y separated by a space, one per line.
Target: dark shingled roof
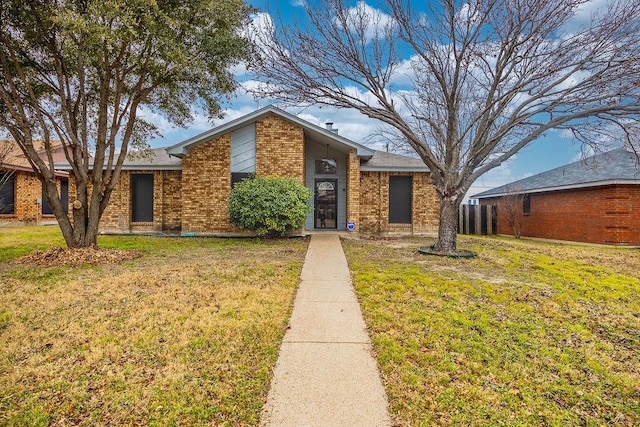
pixel 153 159
pixel 383 161
pixel 618 166
pixel 158 158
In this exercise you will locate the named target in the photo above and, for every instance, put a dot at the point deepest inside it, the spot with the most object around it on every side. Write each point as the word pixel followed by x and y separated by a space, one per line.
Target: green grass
pixel 528 333
pixel 16 242
pixel 187 334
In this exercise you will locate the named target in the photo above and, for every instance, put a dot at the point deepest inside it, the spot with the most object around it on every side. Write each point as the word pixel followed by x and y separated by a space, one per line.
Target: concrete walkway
pixel 325 374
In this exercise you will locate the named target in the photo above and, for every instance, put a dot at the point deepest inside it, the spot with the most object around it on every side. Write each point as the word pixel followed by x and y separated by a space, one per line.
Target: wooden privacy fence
pixel 476 219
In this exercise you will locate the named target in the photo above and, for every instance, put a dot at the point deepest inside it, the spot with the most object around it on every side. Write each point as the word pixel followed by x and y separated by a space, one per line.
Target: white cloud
pixel 372 21
pixel 158 119
pixel 592 10
pixel 503 174
pixel 405 73
pixel 298 3
pixel 261 23
pixel 350 123
pixel 589 9
pixel 468 14
pixel 261 31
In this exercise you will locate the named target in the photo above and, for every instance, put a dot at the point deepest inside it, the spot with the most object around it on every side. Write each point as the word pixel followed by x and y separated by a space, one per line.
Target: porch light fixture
pixel 327 166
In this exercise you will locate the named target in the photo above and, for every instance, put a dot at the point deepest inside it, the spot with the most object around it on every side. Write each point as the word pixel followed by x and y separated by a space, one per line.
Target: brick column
pixel 353 188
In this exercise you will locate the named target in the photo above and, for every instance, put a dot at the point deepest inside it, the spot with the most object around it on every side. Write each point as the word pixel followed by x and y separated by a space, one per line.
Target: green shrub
pixel 271 206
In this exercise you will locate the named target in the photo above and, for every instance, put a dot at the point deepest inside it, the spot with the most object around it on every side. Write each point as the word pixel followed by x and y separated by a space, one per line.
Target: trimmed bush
pixel 271 206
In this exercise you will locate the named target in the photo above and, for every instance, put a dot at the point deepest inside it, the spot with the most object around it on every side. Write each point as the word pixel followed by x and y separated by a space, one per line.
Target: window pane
pixel 46 209
pixel 326 166
pixel 7 191
pixel 64 199
pixel 326 204
pixel 526 204
pixel 142 197
pixel 239 176
pixel 64 195
pixel 400 189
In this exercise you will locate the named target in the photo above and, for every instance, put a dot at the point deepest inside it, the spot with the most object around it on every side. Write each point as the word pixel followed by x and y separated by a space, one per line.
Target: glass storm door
pixel 326 204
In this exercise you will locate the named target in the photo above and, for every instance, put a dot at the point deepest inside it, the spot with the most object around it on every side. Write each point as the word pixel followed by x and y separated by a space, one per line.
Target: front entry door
pixel 326 204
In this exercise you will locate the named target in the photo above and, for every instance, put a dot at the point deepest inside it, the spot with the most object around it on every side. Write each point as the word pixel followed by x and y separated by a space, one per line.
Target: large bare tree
pixel 79 71
pixel 465 84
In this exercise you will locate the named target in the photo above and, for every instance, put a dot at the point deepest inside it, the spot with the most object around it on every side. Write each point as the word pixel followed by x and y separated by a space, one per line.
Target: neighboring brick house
pixel 595 200
pixel 21 196
pixel 186 187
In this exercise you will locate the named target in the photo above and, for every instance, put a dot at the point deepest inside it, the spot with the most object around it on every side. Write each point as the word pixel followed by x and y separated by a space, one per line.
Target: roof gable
pixel 14 159
pixel 619 166
pixel 317 132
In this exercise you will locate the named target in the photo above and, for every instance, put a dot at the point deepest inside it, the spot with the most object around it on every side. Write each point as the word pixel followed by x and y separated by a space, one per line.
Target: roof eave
pixel 152 167
pixel 58 172
pixel 67 167
pixel 394 169
pixel 560 188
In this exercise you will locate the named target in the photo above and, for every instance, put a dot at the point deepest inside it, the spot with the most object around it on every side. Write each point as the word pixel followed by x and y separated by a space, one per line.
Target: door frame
pixel 334 181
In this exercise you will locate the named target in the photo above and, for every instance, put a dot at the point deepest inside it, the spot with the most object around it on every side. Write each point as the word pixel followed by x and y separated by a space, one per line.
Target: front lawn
pixel 528 333
pixel 186 334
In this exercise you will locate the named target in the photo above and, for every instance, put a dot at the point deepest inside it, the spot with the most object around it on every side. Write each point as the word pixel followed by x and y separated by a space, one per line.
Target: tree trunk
pixel 448 228
pixel 82 232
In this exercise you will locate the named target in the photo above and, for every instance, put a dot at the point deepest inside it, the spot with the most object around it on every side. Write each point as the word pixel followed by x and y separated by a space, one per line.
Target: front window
pixel 239 176
pixel 326 167
pixel 400 199
pixel 526 204
pixel 7 193
pixel 142 197
pixel 64 198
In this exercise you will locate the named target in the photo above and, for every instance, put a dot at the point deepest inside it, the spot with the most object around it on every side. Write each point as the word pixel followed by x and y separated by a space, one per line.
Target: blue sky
pixel 549 152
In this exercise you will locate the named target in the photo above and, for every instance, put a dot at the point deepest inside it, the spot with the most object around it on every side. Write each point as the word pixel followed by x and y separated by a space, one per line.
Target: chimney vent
pixel 330 127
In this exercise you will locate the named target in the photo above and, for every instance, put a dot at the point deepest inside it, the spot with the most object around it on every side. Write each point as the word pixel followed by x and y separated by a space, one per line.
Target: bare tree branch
pixel 486 78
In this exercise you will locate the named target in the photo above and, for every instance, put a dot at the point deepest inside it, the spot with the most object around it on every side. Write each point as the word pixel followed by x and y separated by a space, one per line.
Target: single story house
pixel 21 194
pixel 185 187
pixel 595 200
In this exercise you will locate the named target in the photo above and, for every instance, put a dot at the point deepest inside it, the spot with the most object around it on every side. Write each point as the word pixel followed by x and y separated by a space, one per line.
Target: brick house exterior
pixel 186 187
pixel 593 201
pixel 21 197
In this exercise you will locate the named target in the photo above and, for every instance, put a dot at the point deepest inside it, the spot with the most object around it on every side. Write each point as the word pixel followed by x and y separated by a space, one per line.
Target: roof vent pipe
pixel 330 127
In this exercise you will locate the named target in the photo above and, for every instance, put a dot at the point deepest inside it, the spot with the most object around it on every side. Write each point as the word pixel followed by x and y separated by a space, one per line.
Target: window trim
pixel 11 179
pixel 321 168
pixel 409 178
pixel 526 204
pixel 62 185
pixel 133 209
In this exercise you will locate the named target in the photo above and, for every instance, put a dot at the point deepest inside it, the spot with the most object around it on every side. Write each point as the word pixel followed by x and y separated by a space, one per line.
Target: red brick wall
pixel 166 204
pixel 605 215
pixel 206 184
pixel 353 187
pixel 172 200
pixel 27 189
pixel 279 148
pixel 206 172
pixel 374 204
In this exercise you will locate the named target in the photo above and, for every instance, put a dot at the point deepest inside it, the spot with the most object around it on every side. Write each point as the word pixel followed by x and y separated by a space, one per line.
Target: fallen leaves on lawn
pixel 57 256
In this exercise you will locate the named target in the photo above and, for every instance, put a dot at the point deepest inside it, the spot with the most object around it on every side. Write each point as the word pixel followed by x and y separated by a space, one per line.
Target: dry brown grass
pixel 185 335
pixel 527 333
